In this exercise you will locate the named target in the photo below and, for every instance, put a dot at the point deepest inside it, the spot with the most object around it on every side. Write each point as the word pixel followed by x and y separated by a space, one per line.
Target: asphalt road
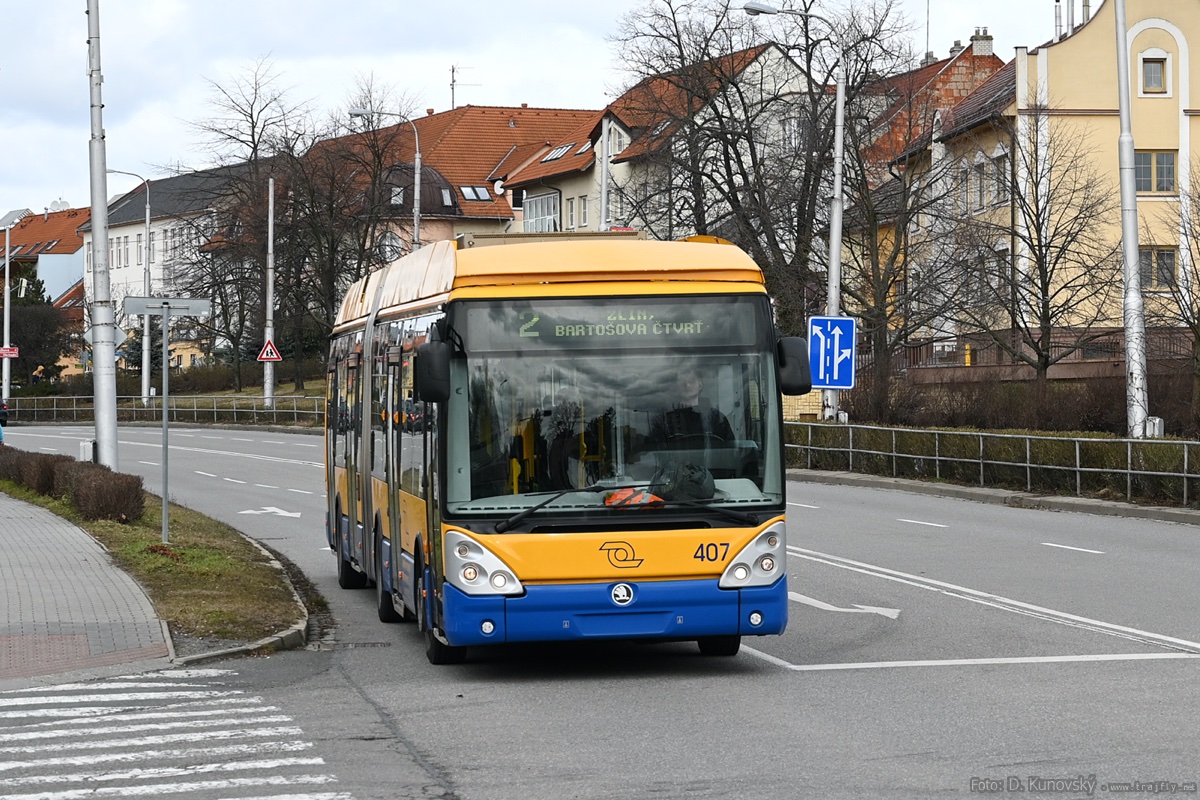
pixel 936 648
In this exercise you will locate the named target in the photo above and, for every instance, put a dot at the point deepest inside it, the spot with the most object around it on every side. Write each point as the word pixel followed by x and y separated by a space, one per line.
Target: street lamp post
pixel 7 367
pixel 833 293
pixel 416 199
pixel 146 287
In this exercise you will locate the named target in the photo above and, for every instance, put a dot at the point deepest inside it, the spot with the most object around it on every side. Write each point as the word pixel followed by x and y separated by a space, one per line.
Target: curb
pixel 1006 497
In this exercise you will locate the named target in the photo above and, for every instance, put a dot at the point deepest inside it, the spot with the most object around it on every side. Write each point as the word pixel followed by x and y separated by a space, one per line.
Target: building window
pixel 570 213
pixel 1154 171
pixel 125 254
pixel 397 195
pixel 964 194
pixel 1154 73
pixel 1000 166
pixel 583 211
pixel 1154 76
pixel 151 247
pixel 1157 268
pixel 139 249
pixel 475 192
pixel 447 198
pixel 981 185
pixel 541 213
pixel 558 152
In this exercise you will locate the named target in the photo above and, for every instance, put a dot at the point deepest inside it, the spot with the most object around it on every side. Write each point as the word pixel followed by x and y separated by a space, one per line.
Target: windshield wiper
pixel 731 513
pixel 525 513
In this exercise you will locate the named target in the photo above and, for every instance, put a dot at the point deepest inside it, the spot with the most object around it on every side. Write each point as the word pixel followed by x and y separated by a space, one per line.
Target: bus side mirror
pixel 794 374
pixel 431 372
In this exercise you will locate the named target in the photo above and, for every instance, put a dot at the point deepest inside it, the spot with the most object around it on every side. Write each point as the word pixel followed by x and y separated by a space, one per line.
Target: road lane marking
pixel 205 474
pixel 299 491
pixel 890 613
pixel 968 662
pixel 1079 549
pixel 1000 602
pixel 802 505
pixel 919 522
pixel 149 463
pixel 236 439
pixel 265 486
pixel 233 480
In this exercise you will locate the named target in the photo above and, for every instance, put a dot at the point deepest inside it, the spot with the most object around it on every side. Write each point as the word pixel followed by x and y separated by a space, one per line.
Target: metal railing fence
pixel 1164 471
pixel 230 409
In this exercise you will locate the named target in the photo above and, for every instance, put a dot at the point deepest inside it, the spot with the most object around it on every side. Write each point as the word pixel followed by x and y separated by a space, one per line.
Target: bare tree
pixel 1038 274
pixel 733 137
pixel 1170 279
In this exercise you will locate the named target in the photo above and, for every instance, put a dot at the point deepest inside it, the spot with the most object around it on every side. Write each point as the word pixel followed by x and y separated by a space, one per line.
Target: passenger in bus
pixel 691 415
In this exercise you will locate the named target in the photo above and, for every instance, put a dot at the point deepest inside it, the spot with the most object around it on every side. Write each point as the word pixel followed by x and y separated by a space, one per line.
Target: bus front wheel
pixel 437 651
pixel 720 645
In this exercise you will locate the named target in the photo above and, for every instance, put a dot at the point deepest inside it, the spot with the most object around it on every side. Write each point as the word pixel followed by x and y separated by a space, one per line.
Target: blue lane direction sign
pixel 831 351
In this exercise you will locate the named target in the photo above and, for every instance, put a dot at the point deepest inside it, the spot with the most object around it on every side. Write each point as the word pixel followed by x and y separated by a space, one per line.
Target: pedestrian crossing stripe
pixel 269 353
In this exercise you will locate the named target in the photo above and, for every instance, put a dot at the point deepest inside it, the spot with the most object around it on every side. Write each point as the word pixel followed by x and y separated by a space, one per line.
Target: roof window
pixel 586 146
pixel 475 192
pixel 558 152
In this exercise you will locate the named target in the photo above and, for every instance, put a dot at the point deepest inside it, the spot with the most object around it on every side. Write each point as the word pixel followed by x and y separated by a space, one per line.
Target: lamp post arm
pixel 416 200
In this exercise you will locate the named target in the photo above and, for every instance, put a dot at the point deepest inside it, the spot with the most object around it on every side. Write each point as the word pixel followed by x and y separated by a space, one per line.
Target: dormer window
pixel 558 152
pixel 447 198
pixel 584 148
pixel 397 195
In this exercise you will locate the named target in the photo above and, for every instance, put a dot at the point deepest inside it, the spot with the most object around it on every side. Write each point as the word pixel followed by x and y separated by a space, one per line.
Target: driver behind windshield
pixel 691 417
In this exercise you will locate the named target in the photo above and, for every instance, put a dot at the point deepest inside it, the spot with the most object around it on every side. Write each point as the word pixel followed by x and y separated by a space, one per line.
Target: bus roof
pixel 434 272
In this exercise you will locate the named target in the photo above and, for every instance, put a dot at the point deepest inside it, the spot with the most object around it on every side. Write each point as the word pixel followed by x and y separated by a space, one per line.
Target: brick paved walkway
pixel 64 605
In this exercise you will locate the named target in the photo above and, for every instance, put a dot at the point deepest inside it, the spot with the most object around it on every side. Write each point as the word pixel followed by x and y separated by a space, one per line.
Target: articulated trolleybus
pixel 563 440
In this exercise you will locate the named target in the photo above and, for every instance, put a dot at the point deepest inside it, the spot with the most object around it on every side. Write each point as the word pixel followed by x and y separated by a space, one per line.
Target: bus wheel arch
pixel 385 607
pixel 437 651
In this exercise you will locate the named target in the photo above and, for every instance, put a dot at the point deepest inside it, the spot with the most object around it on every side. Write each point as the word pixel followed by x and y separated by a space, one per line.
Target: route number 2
pixel 712 551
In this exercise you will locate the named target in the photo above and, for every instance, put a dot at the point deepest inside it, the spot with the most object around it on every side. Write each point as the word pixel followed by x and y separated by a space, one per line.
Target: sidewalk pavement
pixel 64 605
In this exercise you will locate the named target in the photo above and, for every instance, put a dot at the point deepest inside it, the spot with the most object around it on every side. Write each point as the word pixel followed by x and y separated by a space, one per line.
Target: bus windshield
pixel 555 395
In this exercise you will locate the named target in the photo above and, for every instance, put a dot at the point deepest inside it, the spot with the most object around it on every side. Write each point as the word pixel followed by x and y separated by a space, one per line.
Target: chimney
pixel 1087 11
pixel 929 58
pixel 429 112
pixel 524 105
pixel 1058 30
pixel 981 43
pixel 957 48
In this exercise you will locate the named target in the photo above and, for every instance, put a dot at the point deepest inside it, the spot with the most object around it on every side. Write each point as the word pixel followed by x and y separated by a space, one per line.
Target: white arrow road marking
pixel 272 510
pixel 890 613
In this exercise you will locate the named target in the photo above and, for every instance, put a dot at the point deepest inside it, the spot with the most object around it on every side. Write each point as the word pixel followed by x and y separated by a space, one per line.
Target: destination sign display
pixel 613 323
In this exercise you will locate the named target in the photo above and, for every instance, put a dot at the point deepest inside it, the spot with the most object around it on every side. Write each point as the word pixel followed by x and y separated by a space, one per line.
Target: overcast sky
pixel 159 57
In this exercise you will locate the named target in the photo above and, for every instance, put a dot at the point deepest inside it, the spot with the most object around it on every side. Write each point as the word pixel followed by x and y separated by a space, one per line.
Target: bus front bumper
pixel 687 609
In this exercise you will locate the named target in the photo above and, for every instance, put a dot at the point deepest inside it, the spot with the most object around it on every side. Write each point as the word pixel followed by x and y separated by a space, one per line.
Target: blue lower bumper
pixel 660 609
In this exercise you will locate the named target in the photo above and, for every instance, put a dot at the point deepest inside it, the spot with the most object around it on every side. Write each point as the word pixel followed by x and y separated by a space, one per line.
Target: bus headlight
pixel 758 563
pixel 476 570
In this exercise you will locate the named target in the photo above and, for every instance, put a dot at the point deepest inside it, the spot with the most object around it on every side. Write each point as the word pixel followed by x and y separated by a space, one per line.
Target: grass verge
pixel 209 582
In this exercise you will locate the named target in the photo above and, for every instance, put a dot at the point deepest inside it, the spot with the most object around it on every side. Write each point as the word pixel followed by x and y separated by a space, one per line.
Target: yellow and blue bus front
pixel 686 583
pixel 611 467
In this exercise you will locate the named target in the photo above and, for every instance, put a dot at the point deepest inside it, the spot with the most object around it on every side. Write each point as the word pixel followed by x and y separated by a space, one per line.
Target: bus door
pixel 353 433
pixel 395 430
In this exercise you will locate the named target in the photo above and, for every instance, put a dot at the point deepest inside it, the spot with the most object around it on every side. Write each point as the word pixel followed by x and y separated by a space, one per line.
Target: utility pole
pixel 104 350
pixel 269 327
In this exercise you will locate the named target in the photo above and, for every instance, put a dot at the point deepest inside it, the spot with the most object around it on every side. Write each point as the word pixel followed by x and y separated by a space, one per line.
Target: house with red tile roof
pixel 588 180
pixel 49 247
pixel 467 156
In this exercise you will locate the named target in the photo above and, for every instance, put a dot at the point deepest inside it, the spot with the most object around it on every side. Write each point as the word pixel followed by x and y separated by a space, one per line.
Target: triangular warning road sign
pixel 269 353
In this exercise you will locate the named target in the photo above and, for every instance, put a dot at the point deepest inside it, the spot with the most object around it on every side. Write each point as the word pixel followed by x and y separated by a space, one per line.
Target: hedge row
pixel 94 490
